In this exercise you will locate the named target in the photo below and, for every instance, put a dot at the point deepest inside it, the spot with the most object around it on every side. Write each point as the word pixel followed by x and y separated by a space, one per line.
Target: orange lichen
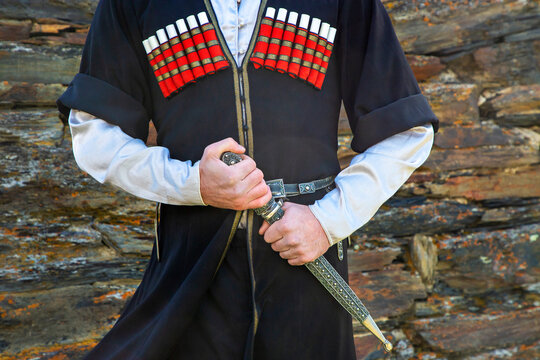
pixel 56 351
pixel 59 357
pixel 24 310
pixel 117 295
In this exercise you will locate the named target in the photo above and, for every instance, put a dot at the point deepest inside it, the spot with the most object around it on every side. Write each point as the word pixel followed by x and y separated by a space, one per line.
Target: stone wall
pixel 449 267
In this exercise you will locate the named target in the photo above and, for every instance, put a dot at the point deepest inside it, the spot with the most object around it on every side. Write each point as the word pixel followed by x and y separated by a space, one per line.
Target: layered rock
pixel 448 266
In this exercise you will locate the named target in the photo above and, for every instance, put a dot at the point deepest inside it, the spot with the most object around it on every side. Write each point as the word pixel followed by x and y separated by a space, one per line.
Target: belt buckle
pixel 277 187
pixel 306 188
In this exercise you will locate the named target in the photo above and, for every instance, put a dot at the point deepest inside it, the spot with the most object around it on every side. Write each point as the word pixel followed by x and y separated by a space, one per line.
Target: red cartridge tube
pixel 180 55
pixel 309 50
pixel 287 43
pixel 326 58
pixel 170 61
pixel 189 47
pixel 298 46
pixel 210 36
pixel 155 68
pixel 319 53
pixel 160 60
pixel 200 45
pixel 259 53
pixel 275 40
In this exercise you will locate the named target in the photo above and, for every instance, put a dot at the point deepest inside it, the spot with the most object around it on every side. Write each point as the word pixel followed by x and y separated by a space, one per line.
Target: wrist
pixel 197 171
pixel 326 232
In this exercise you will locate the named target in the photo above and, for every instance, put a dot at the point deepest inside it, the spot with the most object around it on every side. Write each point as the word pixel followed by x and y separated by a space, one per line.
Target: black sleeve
pixel 379 91
pixel 111 83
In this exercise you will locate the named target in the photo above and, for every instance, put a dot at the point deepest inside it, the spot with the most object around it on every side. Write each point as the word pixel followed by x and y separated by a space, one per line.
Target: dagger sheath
pixel 322 270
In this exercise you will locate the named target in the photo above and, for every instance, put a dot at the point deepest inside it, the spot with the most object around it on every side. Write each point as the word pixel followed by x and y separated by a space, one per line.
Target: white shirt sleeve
pixel 111 156
pixel 370 180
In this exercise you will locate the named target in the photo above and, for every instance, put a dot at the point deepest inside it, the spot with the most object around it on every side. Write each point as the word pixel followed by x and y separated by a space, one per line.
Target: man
pixel 215 287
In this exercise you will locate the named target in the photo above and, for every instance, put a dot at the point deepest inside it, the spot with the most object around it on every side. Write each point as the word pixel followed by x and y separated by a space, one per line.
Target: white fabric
pixel 111 156
pixel 237 21
pixel 371 179
pixel 148 172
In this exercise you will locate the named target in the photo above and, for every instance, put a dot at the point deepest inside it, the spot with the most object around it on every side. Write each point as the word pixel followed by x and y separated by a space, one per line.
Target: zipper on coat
pixel 245 126
pixel 245 129
pixel 242 105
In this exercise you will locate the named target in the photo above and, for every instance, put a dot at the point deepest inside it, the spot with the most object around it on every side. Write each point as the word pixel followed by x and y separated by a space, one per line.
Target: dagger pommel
pixel 322 269
pixel 272 211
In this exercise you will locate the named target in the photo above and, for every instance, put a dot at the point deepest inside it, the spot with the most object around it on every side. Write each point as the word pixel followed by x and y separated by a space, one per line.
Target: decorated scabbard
pixel 322 270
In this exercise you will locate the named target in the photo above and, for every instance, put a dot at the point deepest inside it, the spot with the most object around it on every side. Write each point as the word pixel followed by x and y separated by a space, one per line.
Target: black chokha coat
pixel 167 61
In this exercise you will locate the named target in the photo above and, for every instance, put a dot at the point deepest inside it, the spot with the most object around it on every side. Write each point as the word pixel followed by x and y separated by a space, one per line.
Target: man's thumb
pixel 228 144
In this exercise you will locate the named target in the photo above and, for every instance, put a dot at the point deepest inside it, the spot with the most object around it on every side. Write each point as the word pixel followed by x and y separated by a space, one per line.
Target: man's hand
pixel 298 236
pixel 238 187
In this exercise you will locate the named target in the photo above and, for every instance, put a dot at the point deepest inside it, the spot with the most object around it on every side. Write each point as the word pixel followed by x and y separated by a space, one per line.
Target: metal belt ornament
pixel 322 269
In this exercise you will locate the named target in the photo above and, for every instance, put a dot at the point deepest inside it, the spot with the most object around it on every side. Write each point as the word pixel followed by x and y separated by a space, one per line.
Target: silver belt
pixel 281 190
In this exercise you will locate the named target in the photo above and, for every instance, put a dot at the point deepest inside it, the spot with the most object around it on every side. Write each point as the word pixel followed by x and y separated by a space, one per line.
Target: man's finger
pixel 260 201
pixel 296 261
pixel 244 167
pixel 281 246
pixel 272 234
pixel 229 144
pixel 287 205
pixel 254 179
pixel 265 225
pixel 290 254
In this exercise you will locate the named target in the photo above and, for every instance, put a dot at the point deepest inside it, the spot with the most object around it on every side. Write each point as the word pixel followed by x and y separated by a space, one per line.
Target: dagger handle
pixel 322 269
pixel 272 211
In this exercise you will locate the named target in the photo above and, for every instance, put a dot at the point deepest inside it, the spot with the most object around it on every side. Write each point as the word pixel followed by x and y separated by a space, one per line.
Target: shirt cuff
pixel 197 182
pixel 370 180
pixel 126 162
pixel 319 217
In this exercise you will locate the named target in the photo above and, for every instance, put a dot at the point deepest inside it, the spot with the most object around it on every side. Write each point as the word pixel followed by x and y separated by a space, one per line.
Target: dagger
pixel 322 269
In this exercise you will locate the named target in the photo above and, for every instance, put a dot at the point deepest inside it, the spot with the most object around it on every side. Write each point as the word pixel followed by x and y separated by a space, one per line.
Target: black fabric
pixel 297 319
pixel 398 116
pixel 294 122
pixel 105 101
pixel 183 307
pixel 379 91
pixel 220 326
pixel 192 242
pixel 116 74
